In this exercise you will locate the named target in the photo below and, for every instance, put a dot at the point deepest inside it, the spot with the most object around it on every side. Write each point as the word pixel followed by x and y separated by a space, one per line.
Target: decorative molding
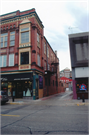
pixel 33 63
pixel 33 51
pixel 34 26
pixel 24 46
pixel 16 65
pixel 16 53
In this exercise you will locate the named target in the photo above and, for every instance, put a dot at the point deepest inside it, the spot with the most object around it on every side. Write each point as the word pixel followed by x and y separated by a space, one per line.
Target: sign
pixel 82 87
pixel 3 79
pixel 21 78
pixel 40 82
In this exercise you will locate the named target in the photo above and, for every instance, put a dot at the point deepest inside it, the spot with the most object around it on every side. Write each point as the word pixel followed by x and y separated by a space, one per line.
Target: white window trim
pixel 4 35
pixel 11 62
pixel 2 64
pixel 11 34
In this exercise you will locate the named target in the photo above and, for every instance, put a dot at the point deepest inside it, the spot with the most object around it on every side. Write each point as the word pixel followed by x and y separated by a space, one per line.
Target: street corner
pixel 16 103
pixel 80 104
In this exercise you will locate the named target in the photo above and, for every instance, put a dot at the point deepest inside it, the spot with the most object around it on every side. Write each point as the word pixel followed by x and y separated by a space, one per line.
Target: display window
pixel 82 86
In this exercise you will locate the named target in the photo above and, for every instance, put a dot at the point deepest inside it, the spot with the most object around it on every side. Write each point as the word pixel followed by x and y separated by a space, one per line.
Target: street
pixel 57 115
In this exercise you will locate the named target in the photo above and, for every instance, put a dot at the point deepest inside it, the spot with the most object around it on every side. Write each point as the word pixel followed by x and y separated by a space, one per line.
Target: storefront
pixel 21 84
pixel 82 88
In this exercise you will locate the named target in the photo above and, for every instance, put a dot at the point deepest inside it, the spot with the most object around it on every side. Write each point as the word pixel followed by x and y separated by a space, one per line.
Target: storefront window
pixel 27 89
pixel 9 88
pixel 4 86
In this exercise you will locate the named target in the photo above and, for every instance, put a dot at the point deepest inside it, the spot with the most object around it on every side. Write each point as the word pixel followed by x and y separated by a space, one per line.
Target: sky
pixel 59 17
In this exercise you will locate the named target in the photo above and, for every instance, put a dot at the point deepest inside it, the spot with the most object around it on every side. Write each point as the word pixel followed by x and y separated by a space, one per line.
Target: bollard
pixel 83 99
pixel 12 98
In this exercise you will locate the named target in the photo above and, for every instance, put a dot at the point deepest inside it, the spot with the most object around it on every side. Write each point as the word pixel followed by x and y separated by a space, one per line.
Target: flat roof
pixel 78 34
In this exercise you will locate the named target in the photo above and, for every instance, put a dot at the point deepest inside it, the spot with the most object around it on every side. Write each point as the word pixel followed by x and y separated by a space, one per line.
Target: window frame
pixel 38 39
pixel 38 60
pixel 24 58
pixel 44 48
pixel 12 34
pixel 2 61
pixel 47 51
pixel 4 35
pixel 11 56
pixel 24 31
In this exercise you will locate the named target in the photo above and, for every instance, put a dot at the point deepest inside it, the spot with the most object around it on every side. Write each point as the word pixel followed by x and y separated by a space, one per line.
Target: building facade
pixel 79 48
pixel 67 83
pixel 28 64
pixel 66 73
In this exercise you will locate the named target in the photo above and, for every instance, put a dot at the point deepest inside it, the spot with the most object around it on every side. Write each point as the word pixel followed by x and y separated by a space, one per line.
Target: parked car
pixel 3 97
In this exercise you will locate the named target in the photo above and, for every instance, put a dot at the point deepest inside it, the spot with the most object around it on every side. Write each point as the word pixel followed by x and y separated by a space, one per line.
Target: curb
pixel 79 104
pixel 16 103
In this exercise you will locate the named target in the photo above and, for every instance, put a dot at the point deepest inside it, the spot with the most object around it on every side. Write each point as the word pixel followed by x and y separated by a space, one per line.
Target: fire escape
pixel 52 70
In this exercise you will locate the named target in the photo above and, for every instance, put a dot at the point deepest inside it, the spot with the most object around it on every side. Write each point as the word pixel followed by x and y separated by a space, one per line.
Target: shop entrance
pixel 21 88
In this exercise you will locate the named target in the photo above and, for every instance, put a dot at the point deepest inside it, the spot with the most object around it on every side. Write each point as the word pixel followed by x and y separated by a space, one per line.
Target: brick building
pixel 28 63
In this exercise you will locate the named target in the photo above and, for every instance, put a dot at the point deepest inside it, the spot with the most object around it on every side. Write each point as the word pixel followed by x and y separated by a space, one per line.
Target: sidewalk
pixel 69 101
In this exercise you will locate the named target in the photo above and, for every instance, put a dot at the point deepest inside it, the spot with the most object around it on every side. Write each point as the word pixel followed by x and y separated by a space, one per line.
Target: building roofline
pixel 14 16
pixel 50 46
pixel 78 34
pixel 9 13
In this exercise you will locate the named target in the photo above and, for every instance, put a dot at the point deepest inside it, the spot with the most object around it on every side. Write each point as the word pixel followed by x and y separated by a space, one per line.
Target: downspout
pixel 47 68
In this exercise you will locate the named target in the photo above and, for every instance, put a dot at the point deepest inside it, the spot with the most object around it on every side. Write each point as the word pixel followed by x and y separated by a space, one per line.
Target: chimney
pixel 56 53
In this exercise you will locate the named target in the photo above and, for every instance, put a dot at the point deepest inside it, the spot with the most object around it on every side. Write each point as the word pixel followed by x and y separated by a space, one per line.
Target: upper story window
pixel 47 52
pixel 24 58
pixel 44 65
pixel 4 40
pixel 38 40
pixel 52 57
pixel 48 67
pixel 11 59
pixel 12 38
pixel 38 60
pixel 81 52
pixel 44 48
pixel 3 60
pixel 25 35
pixel 11 26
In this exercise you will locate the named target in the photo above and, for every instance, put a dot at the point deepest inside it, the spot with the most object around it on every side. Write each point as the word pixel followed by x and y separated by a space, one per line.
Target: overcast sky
pixel 58 17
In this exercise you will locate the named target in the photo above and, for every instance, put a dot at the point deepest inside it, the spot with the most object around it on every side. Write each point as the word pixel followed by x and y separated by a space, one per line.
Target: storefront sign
pixel 40 82
pixel 21 78
pixel 82 87
pixel 3 79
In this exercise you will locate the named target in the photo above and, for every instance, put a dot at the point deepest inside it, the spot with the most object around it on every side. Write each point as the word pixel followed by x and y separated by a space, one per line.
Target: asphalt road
pixel 56 115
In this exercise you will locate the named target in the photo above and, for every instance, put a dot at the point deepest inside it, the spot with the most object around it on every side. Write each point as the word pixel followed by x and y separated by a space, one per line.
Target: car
pixel 3 96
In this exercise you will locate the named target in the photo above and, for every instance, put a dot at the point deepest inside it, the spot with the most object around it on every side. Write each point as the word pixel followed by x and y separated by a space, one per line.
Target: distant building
pixel 79 48
pixel 28 62
pixel 67 83
pixel 66 73
pixel 65 78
